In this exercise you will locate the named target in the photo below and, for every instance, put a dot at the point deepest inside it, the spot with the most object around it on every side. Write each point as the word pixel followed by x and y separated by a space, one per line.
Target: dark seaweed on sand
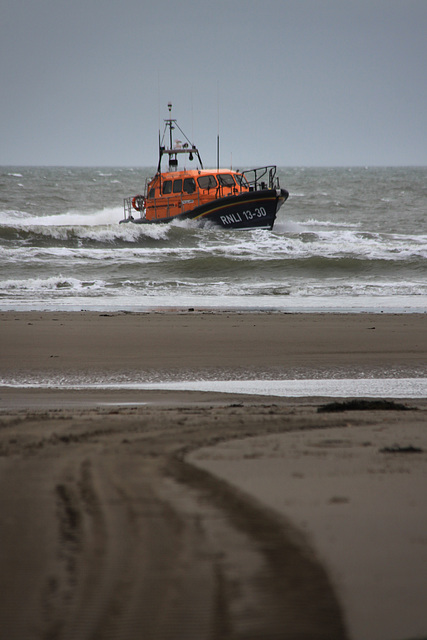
pixel 399 449
pixel 362 405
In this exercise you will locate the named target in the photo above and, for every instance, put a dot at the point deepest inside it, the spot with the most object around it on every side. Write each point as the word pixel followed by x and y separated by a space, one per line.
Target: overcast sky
pixel 286 82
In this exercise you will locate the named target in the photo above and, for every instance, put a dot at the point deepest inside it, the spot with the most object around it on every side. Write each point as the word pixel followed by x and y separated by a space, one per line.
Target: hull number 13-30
pixel 259 212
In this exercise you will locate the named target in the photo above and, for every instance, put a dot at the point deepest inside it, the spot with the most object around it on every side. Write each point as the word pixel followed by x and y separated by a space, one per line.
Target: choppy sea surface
pixel 347 239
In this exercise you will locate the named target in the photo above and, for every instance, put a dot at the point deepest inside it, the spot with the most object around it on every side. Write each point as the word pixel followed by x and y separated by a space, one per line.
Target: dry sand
pixel 358 493
pixel 108 529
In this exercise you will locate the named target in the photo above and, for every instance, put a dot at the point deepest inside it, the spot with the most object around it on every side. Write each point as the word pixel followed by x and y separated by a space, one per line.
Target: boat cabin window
pixel 167 186
pixel 189 185
pixel 226 180
pixel 207 182
pixel 152 193
pixel 177 186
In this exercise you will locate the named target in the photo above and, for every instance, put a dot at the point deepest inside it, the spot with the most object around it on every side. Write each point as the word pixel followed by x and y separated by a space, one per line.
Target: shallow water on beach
pixel 348 239
pixel 334 388
pixel 372 388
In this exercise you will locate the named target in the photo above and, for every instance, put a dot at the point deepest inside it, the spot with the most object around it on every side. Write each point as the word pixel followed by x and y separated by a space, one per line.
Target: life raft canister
pixel 138 203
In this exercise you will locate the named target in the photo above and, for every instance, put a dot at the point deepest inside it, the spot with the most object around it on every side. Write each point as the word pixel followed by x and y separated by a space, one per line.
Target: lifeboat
pixel 221 197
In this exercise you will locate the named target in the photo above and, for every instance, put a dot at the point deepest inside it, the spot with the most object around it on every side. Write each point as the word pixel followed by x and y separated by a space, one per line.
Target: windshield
pixel 226 180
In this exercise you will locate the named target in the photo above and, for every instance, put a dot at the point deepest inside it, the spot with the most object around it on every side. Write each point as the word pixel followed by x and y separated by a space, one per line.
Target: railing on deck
pixel 262 178
pixel 129 211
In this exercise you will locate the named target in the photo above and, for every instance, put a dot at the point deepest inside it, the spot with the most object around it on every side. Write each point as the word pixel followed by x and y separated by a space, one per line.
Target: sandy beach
pixel 156 345
pixel 132 513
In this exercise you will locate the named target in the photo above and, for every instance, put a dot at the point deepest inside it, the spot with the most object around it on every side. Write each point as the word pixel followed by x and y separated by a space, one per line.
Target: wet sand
pixel 155 345
pixel 110 530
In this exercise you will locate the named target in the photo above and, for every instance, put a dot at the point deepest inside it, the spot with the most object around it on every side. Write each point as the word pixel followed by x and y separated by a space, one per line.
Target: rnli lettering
pixel 233 218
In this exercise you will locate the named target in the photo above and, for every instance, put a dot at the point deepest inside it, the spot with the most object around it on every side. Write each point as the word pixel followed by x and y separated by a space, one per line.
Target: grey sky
pixel 289 82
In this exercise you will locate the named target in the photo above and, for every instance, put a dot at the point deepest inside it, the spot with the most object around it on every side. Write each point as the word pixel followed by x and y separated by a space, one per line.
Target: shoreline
pixel 395 305
pixel 243 354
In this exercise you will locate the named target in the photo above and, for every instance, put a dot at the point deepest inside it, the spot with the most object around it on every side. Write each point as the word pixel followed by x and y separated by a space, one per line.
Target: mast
pixel 174 150
pixel 170 125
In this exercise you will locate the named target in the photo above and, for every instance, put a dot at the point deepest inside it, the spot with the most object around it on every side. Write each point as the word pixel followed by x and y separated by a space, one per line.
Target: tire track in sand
pixel 132 542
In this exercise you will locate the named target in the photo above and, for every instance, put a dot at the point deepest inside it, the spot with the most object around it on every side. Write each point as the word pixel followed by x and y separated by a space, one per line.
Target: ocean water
pixel 347 239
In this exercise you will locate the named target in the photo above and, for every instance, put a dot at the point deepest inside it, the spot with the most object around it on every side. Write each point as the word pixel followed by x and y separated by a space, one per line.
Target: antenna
pixel 217 152
pixel 217 137
pixel 158 98
pixel 217 105
pixel 192 114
